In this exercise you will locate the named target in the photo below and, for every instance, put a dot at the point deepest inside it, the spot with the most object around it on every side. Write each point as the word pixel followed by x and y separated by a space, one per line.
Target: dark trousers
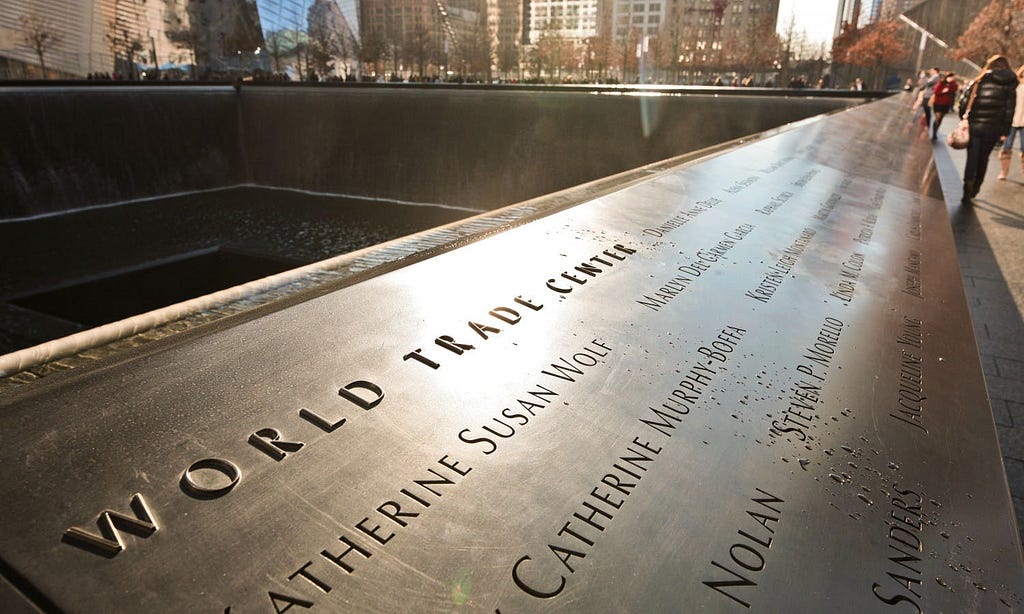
pixel 983 140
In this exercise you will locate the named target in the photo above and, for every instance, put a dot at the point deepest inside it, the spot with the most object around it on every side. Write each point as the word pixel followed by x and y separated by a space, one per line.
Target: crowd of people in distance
pixel 993 105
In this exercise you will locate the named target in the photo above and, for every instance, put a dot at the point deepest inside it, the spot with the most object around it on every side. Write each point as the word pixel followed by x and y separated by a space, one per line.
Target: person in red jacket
pixel 942 100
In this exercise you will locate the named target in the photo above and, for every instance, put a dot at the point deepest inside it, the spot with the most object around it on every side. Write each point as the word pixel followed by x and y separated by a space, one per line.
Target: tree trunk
pixel 42 62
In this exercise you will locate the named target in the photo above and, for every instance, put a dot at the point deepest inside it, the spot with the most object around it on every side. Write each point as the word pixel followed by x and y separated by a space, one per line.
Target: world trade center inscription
pixel 748 383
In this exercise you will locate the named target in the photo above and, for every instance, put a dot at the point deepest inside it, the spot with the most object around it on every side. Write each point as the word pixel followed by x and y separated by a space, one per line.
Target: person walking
pixel 992 99
pixel 924 96
pixel 1016 127
pixel 942 100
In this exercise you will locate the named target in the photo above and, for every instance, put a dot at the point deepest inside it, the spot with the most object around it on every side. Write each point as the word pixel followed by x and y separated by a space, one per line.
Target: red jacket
pixel 945 93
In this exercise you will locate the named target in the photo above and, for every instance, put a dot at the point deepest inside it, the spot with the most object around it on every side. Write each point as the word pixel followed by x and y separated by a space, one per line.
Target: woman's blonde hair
pixel 995 62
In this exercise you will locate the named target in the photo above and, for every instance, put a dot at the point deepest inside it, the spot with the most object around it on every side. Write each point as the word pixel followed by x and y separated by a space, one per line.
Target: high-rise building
pixel 292 14
pixel 871 11
pixel 460 37
pixel 640 18
pixel 332 47
pixel 128 37
pixel 225 36
pixel 713 19
pixel 406 35
pixel 276 15
pixel 865 12
pixel 86 36
pixel 575 20
pixel 705 36
pixel 505 18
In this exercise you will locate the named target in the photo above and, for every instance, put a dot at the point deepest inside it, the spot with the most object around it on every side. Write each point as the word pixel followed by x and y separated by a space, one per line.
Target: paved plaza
pixel 989 239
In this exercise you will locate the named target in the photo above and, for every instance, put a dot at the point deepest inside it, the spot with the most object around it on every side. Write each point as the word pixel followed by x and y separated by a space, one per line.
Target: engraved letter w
pixel 109 543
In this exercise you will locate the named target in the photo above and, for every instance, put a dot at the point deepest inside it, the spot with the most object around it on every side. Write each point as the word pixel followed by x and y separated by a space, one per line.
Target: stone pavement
pixel 990 242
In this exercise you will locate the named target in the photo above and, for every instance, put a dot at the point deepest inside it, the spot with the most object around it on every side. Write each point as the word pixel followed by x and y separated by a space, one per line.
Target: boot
pixel 1022 162
pixel 968 192
pixel 1004 164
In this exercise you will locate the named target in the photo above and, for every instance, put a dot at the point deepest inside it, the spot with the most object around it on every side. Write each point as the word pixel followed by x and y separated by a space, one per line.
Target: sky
pixel 816 17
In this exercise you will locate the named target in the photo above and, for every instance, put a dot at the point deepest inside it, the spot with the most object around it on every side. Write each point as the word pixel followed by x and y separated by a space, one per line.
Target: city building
pixel 640 18
pixel 292 14
pixel 403 36
pixel 331 46
pixel 225 37
pixel 575 20
pixel 866 12
pixel 706 40
pixel 80 37
pixel 128 39
pixel 446 39
pixel 506 20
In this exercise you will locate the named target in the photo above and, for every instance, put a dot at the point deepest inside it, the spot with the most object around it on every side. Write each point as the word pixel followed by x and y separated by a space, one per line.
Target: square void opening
pixel 125 293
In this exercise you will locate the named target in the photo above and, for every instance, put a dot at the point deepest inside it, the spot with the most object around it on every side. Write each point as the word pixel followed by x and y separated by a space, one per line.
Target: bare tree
pixel 373 50
pixel 757 47
pixel 325 35
pixel 183 36
pixel 38 34
pixel 652 58
pixel 509 49
pixel 789 49
pixel 553 52
pixel 392 39
pixel 124 44
pixel 321 50
pixel 477 52
pixel 598 54
pixel 671 44
pixel 299 45
pixel 419 46
pixel 692 56
pixel 732 57
pixel 279 44
pixel 629 44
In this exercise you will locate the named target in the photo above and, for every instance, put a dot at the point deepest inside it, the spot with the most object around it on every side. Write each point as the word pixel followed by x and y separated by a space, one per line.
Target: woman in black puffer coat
pixel 990 119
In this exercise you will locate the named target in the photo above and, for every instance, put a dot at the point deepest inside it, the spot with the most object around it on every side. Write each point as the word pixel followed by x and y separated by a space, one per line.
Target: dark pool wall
pixel 72 147
pixel 485 148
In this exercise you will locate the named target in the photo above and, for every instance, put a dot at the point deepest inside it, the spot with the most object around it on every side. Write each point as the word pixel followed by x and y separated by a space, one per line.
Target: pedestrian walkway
pixel 990 242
